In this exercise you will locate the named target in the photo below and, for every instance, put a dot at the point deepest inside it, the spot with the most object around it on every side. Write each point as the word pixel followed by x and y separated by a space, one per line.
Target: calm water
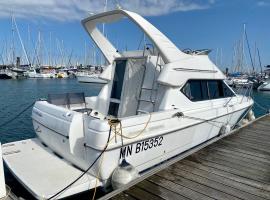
pixel 15 95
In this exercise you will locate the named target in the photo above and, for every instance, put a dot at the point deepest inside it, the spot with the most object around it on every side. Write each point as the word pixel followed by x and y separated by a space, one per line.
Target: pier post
pixel 2 176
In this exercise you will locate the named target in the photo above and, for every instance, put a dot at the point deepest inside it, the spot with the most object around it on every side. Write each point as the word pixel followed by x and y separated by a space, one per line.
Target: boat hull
pixel 5 76
pixel 90 79
pixel 264 87
pixel 81 139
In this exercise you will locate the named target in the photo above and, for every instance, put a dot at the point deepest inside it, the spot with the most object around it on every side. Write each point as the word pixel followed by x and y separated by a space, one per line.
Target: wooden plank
pixel 238 160
pixel 241 150
pixel 231 167
pixel 263 128
pixel 233 163
pixel 265 122
pixel 123 196
pixel 184 165
pixel 244 154
pixel 139 193
pixel 255 131
pixel 245 145
pixel 251 133
pixel 253 144
pixel 242 147
pixel 255 141
pixel 225 171
pixel 161 192
pixel 214 184
pixel 189 193
pixel 253 137
pixel 208 191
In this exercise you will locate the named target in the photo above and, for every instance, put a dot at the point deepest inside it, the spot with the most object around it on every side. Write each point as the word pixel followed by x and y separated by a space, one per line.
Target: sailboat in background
pixel 240 76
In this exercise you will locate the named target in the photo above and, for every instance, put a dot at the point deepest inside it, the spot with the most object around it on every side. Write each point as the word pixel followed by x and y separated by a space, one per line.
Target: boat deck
pixel 236 167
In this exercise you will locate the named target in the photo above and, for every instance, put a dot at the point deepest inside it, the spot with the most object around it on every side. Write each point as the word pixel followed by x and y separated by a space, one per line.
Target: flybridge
pixel 172 57
pixel 169 52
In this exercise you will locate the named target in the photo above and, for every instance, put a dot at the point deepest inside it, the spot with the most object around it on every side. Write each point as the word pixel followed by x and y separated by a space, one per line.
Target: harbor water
pixel 16 95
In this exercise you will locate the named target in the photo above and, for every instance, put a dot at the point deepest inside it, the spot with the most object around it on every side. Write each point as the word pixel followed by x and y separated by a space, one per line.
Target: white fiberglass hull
pixel 40 75
pixel 265 86
pixel 90 79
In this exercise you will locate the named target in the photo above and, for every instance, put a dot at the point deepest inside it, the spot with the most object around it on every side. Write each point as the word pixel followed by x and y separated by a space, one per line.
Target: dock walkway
pixel 235 167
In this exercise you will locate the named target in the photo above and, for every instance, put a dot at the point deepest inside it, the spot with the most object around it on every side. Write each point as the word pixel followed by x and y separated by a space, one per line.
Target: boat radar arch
pixel 168 51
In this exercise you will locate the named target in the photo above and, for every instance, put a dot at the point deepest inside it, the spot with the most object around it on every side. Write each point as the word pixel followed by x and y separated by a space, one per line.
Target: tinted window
pixel 215 89
pixel 204 90
pixel 198 90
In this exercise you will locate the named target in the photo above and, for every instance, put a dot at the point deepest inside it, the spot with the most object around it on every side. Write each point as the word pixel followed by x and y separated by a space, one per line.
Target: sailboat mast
pixel 50 50
pixel 20 38
pixel 260 60
pixel 13 41
pixel 252 64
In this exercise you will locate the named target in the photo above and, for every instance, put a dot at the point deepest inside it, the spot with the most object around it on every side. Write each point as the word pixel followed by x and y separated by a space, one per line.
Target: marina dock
pixel 236 166
pixel 233 167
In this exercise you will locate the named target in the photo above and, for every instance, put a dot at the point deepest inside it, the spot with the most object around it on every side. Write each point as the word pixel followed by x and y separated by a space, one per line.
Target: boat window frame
pixel 209 99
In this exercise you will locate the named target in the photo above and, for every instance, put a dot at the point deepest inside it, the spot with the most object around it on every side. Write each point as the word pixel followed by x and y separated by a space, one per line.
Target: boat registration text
pixel 141 146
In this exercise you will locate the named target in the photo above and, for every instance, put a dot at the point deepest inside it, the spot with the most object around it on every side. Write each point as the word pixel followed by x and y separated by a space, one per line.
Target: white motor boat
pixel 229 81
pixel 265 86
pixel 33 74
pixel 5 74
pixel 85 77
pixel 154 106
pixel 242 83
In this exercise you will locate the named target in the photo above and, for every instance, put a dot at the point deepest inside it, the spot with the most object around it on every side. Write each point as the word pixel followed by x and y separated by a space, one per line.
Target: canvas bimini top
pixel 175 60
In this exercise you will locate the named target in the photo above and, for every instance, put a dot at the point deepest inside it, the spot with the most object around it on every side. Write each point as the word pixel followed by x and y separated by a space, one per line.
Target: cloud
pixel 67 10
pixel 263 3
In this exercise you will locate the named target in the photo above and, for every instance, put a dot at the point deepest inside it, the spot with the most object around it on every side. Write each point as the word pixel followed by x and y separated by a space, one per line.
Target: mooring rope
pixel 85 171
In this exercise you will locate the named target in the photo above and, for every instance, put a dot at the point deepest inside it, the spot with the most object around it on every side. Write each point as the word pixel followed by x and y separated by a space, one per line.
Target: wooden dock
pixel 235 167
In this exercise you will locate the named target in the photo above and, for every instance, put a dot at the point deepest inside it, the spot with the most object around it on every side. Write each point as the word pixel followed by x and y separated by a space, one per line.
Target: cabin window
pixel 215 89
pixel 199 90
pixel 195 90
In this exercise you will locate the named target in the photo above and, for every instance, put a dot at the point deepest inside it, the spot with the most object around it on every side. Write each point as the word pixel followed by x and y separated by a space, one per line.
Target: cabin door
pixel 118 80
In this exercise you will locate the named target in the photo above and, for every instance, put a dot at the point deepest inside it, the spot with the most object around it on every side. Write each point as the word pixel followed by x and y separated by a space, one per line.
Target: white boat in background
pixel 33 74
pixel 229 81
pixel 265 86
pixel 154 106
pixel 87 77
pixel 242 82
pixel 6 74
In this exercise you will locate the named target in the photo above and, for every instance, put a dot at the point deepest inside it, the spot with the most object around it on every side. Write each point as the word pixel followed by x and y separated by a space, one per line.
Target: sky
pixel 194 24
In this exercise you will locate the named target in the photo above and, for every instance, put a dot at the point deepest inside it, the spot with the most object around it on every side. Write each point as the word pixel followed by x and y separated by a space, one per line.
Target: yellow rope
pixel 135 136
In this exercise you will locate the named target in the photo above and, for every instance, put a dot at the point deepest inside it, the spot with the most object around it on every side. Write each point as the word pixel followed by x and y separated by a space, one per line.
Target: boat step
pixel 42 173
